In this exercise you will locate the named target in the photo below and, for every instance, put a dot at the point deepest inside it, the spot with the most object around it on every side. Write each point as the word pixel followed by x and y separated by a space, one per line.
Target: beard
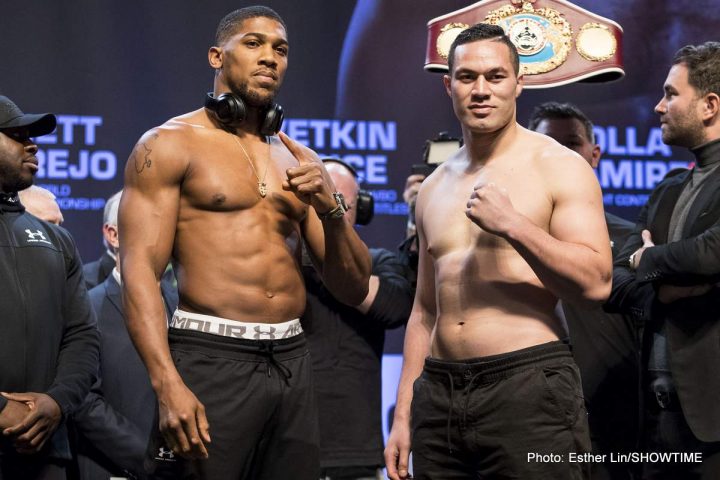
pixel 12 181
pixel 13 185
pixel 686 130
pixel 252 98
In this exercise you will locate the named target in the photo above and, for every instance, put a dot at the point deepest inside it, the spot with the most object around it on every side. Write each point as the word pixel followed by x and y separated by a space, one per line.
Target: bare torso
pixel 236 253
pixel 488 299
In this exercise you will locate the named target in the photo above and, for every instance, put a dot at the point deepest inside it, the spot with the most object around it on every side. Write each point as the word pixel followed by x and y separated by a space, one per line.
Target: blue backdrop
pixel 355 87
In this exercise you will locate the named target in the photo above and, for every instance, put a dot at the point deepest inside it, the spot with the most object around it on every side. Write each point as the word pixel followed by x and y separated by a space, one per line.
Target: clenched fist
pixel 490 208
pixel 309 181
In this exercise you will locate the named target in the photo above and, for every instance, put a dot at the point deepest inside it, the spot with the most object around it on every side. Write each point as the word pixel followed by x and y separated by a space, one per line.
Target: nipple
pixel 218 199
pixel 269 294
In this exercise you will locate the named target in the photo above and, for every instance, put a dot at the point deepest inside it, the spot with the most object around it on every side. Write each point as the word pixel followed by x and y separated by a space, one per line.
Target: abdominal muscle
pixel 239 266
pixel 490 303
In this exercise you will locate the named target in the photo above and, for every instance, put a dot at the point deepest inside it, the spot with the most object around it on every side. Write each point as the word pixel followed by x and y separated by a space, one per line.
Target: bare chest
pixel 449 230
pixel 224 178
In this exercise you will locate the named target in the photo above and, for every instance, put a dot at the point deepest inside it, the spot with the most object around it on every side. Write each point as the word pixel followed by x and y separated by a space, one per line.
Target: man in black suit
pixel 113 424
pixel 97 271
pixel 668 275
pixel 605 346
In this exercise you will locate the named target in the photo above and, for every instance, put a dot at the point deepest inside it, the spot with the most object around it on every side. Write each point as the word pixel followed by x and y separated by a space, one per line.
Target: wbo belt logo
pixel 36 236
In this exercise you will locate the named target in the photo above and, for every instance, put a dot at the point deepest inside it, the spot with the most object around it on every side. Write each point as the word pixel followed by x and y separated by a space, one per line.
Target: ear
pixel 446 82
pixel 215 58
pixel 520 84
pixel 710 106
pixel 596 153
pixel 110 232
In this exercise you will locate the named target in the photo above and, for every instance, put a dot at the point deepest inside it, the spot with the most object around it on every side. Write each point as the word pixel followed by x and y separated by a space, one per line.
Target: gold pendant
pixel 263 189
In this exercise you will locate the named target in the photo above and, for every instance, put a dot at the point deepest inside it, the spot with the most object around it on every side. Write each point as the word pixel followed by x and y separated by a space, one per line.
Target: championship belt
pixel 557 42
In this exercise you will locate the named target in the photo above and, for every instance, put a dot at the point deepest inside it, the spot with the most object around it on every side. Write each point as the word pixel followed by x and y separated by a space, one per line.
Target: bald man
pixel 41 202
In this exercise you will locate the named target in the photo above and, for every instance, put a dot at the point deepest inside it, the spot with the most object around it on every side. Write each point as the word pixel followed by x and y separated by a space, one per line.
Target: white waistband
pixel 231 328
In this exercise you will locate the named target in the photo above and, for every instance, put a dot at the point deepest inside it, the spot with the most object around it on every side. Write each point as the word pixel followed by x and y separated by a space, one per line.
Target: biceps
pixel 147 223
pixel 578 218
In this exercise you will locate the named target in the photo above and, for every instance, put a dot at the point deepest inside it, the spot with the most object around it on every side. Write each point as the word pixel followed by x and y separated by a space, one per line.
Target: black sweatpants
pixel 258 397
pixel 517 415
pixel 31 467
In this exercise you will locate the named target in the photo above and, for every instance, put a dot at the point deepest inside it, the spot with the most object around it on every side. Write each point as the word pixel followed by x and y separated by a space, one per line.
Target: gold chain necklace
pixel 262 186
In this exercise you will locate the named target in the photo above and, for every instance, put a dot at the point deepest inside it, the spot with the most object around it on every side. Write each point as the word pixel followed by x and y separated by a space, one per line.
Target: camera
pixel 436 151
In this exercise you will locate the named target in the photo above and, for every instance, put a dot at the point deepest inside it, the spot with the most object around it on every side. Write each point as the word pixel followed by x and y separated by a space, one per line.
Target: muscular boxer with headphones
pixel 228 199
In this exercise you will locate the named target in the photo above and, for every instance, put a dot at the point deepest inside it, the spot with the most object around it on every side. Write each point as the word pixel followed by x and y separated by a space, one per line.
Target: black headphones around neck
pixel 365 205
pixel 229 109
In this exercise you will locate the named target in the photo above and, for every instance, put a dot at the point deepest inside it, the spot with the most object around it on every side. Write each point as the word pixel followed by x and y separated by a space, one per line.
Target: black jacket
pixel 693 324
pixel 48 337
pixel 96 272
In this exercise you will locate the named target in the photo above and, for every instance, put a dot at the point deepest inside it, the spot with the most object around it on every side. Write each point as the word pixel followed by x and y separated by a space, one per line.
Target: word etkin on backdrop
pixel 355 87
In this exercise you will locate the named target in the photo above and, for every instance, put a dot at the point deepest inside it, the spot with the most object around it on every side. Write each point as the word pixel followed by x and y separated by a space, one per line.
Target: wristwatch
pixel 338 211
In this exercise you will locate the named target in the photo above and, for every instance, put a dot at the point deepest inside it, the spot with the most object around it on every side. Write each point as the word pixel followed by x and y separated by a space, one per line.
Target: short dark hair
pixel 231 22
pixel 555 111
pixel 484 31
pixel 703 64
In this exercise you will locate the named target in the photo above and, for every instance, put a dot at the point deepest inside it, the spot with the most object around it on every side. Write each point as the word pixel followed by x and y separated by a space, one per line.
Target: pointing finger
pixel 294 148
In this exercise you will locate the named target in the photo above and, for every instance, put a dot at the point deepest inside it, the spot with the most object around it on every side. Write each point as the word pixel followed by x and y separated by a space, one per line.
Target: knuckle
pixel 172 425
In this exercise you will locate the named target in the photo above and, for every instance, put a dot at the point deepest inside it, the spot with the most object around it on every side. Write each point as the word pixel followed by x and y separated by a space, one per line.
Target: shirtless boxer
pixel 508 225
pixel 230 202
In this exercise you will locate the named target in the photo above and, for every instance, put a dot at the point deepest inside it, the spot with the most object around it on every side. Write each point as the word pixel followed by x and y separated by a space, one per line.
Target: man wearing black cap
pixel 48 339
